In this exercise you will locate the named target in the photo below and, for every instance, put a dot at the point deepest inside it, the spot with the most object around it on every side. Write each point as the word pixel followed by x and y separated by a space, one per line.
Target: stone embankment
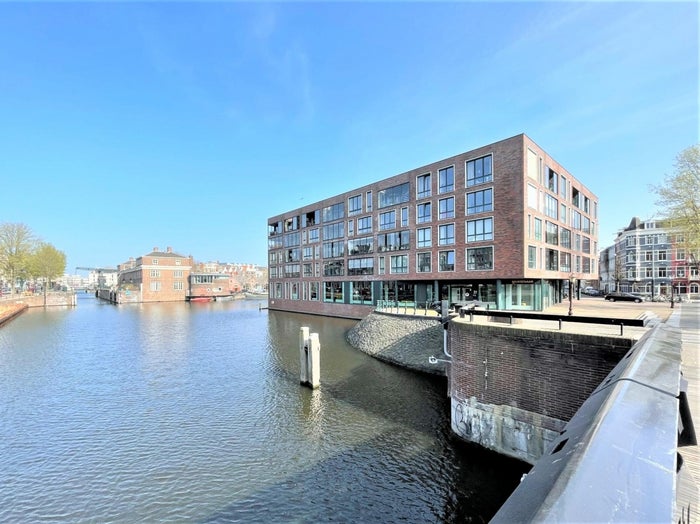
pixel 10 311
pixel 405 340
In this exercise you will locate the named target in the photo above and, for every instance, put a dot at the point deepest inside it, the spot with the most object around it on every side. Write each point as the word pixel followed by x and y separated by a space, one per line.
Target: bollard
pixel 309 358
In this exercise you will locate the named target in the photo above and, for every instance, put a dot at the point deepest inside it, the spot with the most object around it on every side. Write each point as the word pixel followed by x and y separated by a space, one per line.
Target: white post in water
pixel 309 358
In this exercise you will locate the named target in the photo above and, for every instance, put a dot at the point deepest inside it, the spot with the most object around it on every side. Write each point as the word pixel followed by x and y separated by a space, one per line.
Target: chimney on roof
pixel 155 248
pixel 169 249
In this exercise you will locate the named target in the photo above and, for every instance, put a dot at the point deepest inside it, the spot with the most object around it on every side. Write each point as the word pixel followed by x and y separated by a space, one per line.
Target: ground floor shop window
pixel 362 293
pixel 333 292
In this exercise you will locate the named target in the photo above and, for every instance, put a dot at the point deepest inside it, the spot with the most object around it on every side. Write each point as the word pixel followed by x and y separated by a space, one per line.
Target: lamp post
pixel 572 283
pixel 671 291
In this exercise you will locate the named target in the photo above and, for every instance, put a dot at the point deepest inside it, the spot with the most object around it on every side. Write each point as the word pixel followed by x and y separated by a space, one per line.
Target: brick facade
pixel 160 276
pixel 545 372
pixel 492 263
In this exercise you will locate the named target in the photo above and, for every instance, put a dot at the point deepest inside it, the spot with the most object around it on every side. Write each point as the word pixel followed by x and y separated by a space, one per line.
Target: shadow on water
pixel 404 465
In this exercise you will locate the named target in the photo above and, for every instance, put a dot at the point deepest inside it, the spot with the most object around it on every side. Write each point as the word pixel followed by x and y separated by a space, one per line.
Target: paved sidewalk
pixel 687 318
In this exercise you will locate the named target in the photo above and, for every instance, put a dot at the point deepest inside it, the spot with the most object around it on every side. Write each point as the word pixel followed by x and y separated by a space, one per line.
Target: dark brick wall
pixel 547 372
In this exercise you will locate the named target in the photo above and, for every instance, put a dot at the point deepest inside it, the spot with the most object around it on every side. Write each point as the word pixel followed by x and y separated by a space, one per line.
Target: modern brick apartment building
pixel 160 276
pixel 505 224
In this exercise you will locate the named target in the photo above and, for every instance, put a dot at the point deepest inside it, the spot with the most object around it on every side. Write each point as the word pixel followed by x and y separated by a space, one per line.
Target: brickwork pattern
pixel 548 373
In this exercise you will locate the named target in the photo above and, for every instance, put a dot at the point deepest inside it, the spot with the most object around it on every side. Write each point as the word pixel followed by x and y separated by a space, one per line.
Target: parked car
pixel 619 295
pixel 592 292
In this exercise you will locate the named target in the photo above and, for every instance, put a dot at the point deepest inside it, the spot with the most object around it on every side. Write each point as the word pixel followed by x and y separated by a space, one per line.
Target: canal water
pixel 194 413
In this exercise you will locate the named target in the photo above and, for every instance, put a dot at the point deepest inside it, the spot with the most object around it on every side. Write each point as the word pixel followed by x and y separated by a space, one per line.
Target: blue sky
pixel 125 126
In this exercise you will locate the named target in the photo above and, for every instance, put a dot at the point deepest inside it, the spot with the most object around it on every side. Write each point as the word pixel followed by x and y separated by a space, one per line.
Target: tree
pixel 17 242
pixel 47 262
pixel 679 197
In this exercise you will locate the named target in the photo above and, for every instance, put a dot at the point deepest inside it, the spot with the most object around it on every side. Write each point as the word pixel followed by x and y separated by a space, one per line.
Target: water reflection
pixel 194 412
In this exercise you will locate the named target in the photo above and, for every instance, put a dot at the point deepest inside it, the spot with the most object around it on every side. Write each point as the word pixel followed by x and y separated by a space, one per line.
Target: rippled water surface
pixel 194 413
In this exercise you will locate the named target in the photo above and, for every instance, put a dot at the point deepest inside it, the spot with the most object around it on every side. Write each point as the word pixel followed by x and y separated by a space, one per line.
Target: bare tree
pixel 17 242
pixel 679 198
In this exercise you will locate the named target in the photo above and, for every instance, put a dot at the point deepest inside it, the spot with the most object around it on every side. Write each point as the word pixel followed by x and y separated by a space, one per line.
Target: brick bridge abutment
pixel 513 390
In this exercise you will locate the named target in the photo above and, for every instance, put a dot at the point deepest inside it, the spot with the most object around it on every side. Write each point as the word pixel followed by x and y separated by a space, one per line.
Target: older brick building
pixel 160 276
pixel 504 223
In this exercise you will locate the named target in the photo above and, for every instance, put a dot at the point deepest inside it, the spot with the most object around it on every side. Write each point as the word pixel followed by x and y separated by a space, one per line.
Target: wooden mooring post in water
pixel 309 358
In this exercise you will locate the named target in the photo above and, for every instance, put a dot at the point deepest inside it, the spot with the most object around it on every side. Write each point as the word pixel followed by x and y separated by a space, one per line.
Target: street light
pixel 672 290
pixel 572 283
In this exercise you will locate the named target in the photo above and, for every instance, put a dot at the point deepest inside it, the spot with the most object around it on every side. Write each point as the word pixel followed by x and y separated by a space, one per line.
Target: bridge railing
pixel 511 316
pixel 618 458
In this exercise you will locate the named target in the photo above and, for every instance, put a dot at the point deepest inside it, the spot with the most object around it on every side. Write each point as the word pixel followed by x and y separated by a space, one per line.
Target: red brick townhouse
pixel 160 276
pixel 505 224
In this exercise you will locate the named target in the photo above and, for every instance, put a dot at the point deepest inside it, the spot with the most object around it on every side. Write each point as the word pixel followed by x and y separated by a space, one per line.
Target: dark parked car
pixel 618 295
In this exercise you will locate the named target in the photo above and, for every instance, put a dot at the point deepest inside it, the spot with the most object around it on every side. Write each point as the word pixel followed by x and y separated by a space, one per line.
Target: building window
pixel 423 213
pixel 396 241
pixel 552 181
pixel 178 285
pixel 565 238
pixel 313 236
pixel 308 253
pixel 155 286
pixel 551 207
pixel 351 228
pixel 333 212
pixel 446 208
pixel 361 266
pixel 311 218
pixel 154 262
pixel 334 249
pixel 308 270
pixel 333 292
pixel 446 261
pixel 361 246
pixel 382 269
pixel 538 229
pixel 392 196
pixel 364 225
pixel 334 268
pixel 177 261
pixel 531 257
pixel 423 189
pixel 423 263
pixel 564 261
pixel 480 259
pixel 404 217
pixel 313 291
pixel 446 234
pixel 424 237
pixel 399 264
pixel 292 270
pixel 446 178
pixel 332 231
pixel 585 244
pixel 362 293
pixel 532 197
pixel 563 186
pixel 354 205
pixel 551 233
pixel 177 273
pixel 387 220
pixel 480 230
pixel 480 201
pixel 551 259
pixel 479 171
pixel 368 201
pixel 155 273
